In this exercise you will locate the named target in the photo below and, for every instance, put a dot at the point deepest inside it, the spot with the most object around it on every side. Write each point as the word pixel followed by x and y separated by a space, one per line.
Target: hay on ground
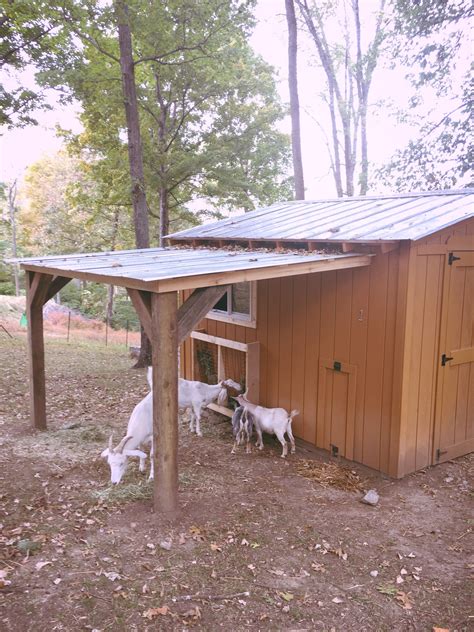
pixel 331 475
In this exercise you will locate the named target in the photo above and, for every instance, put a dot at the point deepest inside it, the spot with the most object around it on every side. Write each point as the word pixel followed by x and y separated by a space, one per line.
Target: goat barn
pixel 378 359
pixel 358 312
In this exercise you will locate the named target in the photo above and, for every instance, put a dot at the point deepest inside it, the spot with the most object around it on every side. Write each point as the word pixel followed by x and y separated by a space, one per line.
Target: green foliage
pixel 429 38
pixel 7 288
pixel 208 109
pixel 125 315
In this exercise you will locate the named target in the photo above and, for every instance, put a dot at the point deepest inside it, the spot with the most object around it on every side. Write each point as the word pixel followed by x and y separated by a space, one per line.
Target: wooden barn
pixel 378 359
pixel 358 312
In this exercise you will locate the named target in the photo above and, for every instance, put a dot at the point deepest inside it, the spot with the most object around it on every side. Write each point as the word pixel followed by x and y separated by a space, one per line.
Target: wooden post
pixel 164 342
pixel 37 286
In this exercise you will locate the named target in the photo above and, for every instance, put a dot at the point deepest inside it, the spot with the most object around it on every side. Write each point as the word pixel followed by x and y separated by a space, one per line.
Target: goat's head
pixel 117 458
pixel 222 398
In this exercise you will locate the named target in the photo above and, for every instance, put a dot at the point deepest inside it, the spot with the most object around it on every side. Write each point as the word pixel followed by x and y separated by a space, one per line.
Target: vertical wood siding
pixel 422 348
pixel 382 323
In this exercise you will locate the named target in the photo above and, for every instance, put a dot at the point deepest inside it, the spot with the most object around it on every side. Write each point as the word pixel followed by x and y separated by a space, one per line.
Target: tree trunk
pixel 135 154
pixel 12 210
pixel 110 303
pixel 294 99
pixel 164 215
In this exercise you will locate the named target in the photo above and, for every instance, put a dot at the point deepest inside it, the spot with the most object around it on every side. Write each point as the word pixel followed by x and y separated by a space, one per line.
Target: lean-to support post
pixel 37 285
pixel 164 341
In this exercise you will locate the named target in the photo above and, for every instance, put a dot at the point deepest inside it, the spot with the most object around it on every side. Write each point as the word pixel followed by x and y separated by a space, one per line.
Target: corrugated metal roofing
pixel 363 219
pixel 167 269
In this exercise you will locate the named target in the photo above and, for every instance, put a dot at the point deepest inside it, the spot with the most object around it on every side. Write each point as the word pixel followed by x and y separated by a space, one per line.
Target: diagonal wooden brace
pixel 195 308
pixel 141 301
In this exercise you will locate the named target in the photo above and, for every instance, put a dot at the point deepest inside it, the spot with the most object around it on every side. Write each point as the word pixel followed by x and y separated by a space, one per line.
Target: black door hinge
pixel 452 258
pixel 439 452
pixel 444 359
pixel 337 366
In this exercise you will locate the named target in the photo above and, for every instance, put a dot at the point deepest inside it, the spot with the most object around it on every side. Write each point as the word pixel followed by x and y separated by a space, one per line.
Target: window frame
pixel 235 318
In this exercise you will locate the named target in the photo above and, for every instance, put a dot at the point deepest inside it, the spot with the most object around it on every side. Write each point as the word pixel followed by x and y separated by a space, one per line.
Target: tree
pixel 208 108
pixel 28 35
pixel 294 99
pixel 349 72
pixel 428 39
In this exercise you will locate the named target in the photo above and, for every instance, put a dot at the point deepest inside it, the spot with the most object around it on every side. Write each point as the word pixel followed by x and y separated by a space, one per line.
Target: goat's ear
pixel 105 453
pixel 139 453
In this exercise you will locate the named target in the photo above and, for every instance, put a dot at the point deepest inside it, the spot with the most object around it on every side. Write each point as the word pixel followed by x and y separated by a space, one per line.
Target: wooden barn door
pixel 454 415
pixel 336 407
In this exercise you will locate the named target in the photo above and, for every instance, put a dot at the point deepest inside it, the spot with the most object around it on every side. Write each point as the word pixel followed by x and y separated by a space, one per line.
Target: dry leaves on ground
pixel 330 475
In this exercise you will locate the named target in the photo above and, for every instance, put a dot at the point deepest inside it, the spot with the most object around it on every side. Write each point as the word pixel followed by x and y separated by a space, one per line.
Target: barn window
pixel 237 305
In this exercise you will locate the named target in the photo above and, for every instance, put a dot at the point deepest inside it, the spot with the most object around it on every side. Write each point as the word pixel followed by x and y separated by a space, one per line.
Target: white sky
pixel 22 147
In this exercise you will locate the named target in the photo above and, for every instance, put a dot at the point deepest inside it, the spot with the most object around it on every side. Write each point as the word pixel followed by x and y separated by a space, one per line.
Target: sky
pixel 22 147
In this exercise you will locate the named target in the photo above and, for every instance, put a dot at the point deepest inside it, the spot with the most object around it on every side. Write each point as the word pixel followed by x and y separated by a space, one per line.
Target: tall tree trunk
pixel 294 99
pixel 164 215
pixel 12 211
pixel 135 153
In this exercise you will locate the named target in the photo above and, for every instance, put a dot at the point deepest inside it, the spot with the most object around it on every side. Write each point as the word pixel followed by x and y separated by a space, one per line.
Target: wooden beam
pixel 142 303
pixel 164 341
pixel 389 246
pixel 347 246
pixel 252 371
pixel 223 342
pixel 57 284
pixel 37 285
pixel 195 308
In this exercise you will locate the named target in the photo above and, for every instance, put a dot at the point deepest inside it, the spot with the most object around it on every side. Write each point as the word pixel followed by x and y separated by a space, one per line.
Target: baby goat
pixel 197 395
pixel 139 431
pixel 272 420
pixel 242 427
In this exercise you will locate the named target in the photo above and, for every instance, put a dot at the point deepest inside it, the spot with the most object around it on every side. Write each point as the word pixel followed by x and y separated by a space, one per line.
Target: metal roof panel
pixel 360 219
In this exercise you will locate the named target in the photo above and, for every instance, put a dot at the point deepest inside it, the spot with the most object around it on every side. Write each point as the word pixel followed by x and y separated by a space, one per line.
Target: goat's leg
pixel 248 449
pixel 281 439
pixel 191 420
pixel 198 411
pixel 141 467
pixel 234 447
pixel 259 442
pixel 152 464
pixel 289 432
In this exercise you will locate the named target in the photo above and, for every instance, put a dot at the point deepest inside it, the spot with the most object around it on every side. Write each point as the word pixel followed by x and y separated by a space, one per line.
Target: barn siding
pixel 384 320
pixel 344 315
pixel 422 352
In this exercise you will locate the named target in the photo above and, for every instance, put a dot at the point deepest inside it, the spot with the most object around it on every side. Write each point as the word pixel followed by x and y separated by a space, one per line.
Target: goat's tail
pixel 293 413
pixel 149 376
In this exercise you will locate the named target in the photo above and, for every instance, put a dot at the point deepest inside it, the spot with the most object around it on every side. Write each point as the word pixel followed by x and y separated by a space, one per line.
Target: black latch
pixel 334 450
pixel 451 258
pixel 337 366
pixel 439 452
pixel 444 359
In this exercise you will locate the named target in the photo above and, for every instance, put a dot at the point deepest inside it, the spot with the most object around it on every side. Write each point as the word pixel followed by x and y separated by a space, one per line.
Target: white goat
pixel 139 431
pixel 271 420
pixel 197 395
pixel 242 428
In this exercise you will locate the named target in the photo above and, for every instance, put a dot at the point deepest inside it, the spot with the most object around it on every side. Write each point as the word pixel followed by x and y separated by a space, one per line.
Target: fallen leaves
pixel 286 596
pixel 152 613
pixel 404 600
pixel 330 475
pixel 40 565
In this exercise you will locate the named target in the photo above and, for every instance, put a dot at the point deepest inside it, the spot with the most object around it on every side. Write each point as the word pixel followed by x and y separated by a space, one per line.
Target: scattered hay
pixel 125 492
pixel 331 475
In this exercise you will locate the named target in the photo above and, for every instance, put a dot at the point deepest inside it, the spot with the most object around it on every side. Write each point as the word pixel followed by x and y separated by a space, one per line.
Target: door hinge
pixel 452 258
pixel 337 366
pixel 444 359
pixel 440 452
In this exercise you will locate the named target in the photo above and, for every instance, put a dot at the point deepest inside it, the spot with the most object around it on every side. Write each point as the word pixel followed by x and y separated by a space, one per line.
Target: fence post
pixel 106 329
pixel 126 335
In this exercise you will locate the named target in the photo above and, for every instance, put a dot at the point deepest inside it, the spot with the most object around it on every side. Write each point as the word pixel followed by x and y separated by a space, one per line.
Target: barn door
pixel 454 415
pixel 336 407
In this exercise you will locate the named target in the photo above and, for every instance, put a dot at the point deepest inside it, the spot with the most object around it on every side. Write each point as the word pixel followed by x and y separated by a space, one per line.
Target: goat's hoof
pixel 283 456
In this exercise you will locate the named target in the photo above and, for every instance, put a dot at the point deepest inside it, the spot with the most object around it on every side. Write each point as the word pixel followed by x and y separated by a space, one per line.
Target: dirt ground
pixel 257 545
